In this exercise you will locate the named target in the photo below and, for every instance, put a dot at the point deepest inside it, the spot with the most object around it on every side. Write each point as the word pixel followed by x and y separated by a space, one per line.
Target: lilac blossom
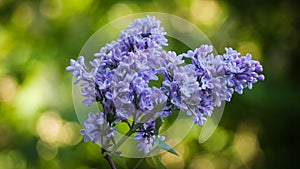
pixel 98 130
pixel 87 79
pixel 242 71
pixel 142 34
pixel 123 69
pixel 146 137
pixel 219 76
pixel 131 93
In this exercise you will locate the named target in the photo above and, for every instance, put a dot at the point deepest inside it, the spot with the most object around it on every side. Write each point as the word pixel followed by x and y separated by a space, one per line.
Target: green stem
pixel 124 138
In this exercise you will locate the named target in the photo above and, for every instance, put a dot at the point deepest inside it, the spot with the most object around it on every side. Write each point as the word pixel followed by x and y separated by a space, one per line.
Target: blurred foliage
pixel 38 125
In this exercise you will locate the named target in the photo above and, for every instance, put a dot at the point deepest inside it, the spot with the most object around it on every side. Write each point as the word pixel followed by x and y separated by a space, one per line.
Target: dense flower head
pixel 142 34
pixel 219 76
pixel 122 76
pixel 242 71
pixel 132 94
pixel 98 130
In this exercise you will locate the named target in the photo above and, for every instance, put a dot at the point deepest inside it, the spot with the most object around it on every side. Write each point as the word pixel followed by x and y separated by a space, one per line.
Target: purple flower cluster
pixel 87 79
pixel 219 76
pixel 123 70
pixel 142 34
pixel 97 129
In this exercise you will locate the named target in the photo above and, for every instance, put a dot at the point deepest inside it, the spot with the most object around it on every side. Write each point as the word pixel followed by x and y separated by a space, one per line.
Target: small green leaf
pixel 158 163
pixel 161 144
pixel 158 123
pixel 120 160
pixel 122 127
pixel 168 121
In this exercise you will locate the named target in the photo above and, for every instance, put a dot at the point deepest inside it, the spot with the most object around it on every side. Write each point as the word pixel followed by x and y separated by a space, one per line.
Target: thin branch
pixel 109 159
pixel 124 138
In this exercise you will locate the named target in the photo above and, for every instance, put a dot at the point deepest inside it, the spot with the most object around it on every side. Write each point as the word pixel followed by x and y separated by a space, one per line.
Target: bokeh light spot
pixel 8 88
pixel 31 95
pixel 53 130
pixel 250 47
pixel 205 12
pixel 6 43
pixel 71 6
pixel 199 162
pixel 12 160
pixel 51 8
pixel 218 140
pixel 245 143
pixel 48 127
pixel 119 10
pixel 69 134
pixel 46 151
pixel 23 16
pixel 172 161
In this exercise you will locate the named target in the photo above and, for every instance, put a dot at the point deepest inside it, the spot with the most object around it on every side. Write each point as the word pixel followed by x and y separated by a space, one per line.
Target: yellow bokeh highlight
pixel 1 3
pixel 23 16
pixel 46 151
pixel 51 8
pixel 245 143
pixel 173 161
pixel 6 43
pixel 48 127
pixel 206 12
pixel 53 130
pixel 200 162
pixel 250 47
pixel 8 89
pixel 32 95
pixel 58 9
pixel 119 10
pixel 69 134
pixel 72 6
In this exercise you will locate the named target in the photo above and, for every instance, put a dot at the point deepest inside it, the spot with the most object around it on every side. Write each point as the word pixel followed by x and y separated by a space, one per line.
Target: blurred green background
pixel 38 124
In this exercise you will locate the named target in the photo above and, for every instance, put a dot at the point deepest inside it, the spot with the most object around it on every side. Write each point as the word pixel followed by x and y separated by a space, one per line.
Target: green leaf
pixel 158 123
pixel 158 163
pixel 100 107
pixel 138 163
pixel 161 144
pixel 120 160
pixel 122 128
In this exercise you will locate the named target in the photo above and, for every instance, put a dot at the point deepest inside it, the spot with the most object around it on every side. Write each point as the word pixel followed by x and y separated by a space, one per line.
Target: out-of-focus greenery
pixel 38 124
